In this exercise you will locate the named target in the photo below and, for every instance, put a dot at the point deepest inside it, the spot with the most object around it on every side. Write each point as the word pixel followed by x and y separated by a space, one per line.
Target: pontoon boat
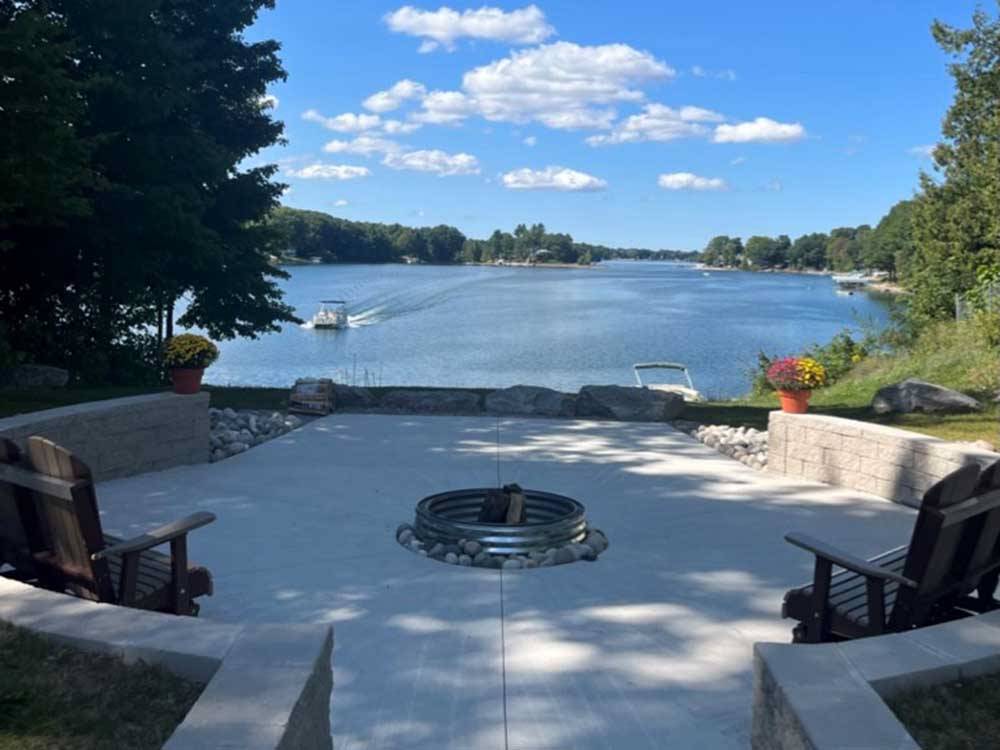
pixel 689 392
pixel 332 313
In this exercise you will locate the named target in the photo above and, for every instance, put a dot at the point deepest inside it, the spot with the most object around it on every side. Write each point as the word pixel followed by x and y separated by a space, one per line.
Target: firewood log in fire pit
pixel 504 505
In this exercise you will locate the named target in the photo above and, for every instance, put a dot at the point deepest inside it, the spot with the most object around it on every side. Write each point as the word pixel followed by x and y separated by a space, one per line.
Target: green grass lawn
pixel 57 698
pixel 961 715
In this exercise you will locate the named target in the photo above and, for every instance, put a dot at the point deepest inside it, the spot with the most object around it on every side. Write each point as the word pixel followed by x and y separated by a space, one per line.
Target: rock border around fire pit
pixel 470 553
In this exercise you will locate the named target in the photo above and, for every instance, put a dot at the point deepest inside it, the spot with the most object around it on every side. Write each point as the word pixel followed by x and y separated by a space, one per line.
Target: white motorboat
pixel 688 392
pixel 332 313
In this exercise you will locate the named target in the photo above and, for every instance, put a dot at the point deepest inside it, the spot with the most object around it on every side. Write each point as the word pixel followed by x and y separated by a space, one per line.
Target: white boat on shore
pixel 332 313
pixel 687 391
pixel 850 281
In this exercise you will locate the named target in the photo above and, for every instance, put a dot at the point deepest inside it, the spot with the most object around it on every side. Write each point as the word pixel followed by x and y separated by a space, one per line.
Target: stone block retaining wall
pixel 885 461
pixel 832 696
pixel 268 686
pixel 123 436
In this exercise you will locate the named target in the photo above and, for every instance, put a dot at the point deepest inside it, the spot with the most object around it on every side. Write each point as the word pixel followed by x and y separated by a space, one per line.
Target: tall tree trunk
pixel 170 318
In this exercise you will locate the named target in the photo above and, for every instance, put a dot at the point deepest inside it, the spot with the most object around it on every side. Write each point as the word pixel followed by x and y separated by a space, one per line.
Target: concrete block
pixel 812 697
pixel 825 439
pixel 794 467
pixel 845 462
pixel 895 663
pixel 120 437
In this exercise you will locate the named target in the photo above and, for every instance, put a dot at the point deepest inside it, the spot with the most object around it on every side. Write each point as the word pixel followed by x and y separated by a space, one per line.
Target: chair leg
pixel 817 630
pixel 181 592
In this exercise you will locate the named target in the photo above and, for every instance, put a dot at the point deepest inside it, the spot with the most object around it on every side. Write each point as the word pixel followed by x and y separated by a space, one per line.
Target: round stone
pixel 451 558
pixel 531 563
pixel 437 549
pixel 481 557
pixel 464 560
pixel 405 536
pixel 564 555
pixel 512 564
pixel 472 547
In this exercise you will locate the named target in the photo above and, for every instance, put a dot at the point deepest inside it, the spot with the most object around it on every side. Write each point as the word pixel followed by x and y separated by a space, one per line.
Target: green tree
pixel 809 251
pixel 165 105
pixel 890 246
pixel 767 252
pixel 956 221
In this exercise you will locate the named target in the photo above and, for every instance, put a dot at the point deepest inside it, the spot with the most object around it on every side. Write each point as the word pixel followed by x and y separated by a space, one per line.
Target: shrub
pixel 840 355
pixel 188 350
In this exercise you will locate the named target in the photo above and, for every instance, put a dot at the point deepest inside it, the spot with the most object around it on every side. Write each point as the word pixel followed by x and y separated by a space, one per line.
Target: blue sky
pixel 655 124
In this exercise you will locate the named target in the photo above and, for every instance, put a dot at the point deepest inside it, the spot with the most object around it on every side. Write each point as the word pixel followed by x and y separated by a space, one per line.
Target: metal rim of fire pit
pixel 552 521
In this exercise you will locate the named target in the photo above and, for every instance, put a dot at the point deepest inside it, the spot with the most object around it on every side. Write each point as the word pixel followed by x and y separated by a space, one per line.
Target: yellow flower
pixel 189 350
pixel 811 373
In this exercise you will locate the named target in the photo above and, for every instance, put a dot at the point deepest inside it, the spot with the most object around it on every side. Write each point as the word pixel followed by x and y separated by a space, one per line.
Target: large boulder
pixel 34 376
pixel 918 395
pixel 530 400
pixel 629 404
pixel 352 397
pixel 444 401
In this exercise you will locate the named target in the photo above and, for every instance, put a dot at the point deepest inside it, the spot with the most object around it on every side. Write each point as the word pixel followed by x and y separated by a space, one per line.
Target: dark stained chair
pixel 51 535
pixel 953 551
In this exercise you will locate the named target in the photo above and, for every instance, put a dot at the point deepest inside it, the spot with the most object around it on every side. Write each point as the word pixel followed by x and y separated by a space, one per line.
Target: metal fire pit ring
pixel 551 521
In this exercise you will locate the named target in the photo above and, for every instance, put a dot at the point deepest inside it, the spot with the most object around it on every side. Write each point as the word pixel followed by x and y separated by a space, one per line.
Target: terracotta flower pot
pixel 186 380
pixel 795 402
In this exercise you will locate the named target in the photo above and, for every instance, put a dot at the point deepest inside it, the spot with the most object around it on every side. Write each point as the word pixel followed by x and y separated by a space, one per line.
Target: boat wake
pixel 380 308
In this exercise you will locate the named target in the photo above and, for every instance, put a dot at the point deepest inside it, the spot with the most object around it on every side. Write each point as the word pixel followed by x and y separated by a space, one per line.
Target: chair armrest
pixel 846 559
pixel 159 536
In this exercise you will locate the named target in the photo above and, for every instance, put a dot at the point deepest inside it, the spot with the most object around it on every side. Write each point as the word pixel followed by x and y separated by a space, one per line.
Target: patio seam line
pixel 503 668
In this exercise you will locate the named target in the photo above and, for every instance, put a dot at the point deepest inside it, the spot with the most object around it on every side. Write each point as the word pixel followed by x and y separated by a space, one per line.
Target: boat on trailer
pixel 688 392
pixel 332 313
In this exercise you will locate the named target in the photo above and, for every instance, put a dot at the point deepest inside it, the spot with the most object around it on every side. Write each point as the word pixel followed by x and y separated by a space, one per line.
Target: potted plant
pixel 187 356
pixel 795 378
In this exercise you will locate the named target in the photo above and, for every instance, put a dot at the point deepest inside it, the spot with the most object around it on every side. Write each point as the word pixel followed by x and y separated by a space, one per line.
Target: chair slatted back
pixel 70 527
pixel 986 553
pixel 16 513
pixel 946 534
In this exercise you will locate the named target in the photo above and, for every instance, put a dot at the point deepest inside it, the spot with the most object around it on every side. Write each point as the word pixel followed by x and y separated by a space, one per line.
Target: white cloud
pixel 530 141
pixel 366 145
pixel 925 151
pixel 561 84
pixel 320 171
pixel 394 97
pixel 738 160
pixel 442 27
pixel 659 123
pixel 552 178
pixel 689 181
pixel 760 130
pixel 270 101
pixel 340 203
pixel 345 123
pixel 435 161
pixel 699 72
pixel 444 108
pixel 774 186
pixel 395 127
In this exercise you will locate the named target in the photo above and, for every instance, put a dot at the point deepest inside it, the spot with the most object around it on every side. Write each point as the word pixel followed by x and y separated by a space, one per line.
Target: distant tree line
pixel 889 247
pixel 314 234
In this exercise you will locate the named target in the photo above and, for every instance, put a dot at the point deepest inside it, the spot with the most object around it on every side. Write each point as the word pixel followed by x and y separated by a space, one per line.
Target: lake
pixel 562 328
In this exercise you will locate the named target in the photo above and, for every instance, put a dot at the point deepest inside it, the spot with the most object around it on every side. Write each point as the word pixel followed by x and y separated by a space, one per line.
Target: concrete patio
pixel 650 647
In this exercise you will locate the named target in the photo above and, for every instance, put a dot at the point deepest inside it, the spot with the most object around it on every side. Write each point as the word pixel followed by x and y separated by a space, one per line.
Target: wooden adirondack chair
pixel 59 543
pixel 952 552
